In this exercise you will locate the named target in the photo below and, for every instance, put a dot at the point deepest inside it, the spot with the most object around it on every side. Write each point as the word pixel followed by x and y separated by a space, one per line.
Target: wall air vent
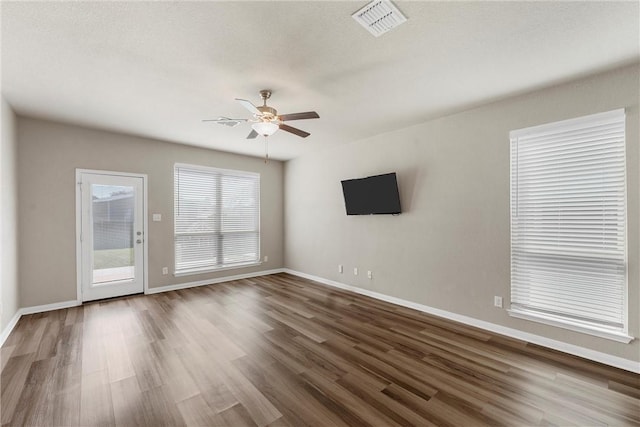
pixel 379 16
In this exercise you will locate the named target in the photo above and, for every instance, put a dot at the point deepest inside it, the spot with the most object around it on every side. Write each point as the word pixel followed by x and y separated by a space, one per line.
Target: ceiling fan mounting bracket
pixel 265 94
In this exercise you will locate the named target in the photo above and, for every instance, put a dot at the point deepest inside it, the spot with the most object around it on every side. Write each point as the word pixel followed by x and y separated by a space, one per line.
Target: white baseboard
pixel 49 307
pixel 607 359
pixel 32 310
pixel 212 281
pixel 66 304
pixel 7 330
pixel 597 356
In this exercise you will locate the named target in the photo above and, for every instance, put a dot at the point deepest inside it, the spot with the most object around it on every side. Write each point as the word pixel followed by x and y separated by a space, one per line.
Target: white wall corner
pixel 32 310
pixel 7 330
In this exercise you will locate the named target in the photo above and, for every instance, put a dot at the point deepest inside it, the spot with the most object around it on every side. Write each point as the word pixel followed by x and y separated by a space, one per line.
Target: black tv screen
pixel 374 195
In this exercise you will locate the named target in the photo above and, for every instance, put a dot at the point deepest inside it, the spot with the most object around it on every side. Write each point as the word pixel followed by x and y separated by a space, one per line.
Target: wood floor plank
pixel 13 381
pixel 196 412
pixel 338 364
pixel 175 376
pixel 127 406
pixel 146 367
pixel 456 413
pixel 238 416
pixel 117 357
pixel 159 409
pixel 296 324
pixel 5 354
pixel 66 406
pixel 391 407
pixel 283 351
pixel 349 402
pixel 262 411
pixel 32 336
pixel 288 391
pixel 414 403
pixel 219 397
pixel 391 374
pixel 67 378
pixel 96 405
pixel 37 410
pixel 93 353
pixel 49 341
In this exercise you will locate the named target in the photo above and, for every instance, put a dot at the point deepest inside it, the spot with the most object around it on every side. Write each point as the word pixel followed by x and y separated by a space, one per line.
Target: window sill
pixel 571 325
pixel 194 271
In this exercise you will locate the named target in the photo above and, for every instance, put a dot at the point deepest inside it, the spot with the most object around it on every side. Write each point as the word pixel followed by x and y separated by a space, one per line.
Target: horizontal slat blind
pixel 217 218
pixel 568 207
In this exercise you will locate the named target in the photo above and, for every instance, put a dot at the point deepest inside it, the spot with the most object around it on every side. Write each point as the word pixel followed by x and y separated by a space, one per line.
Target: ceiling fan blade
pixel 252 134
pixel 249 106
pixel 294 131
pixel 224 119
pixel 299 116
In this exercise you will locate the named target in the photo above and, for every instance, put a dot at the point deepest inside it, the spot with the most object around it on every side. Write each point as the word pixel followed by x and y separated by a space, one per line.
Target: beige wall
pixel 9 291
pixel 48 155
pixel 450 248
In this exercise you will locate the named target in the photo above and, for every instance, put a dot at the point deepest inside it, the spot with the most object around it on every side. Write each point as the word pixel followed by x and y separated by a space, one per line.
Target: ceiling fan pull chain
pixel 266 150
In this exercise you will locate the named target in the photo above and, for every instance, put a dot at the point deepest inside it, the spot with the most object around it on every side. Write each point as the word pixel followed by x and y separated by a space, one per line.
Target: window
pixel 217 218
pixel 568 220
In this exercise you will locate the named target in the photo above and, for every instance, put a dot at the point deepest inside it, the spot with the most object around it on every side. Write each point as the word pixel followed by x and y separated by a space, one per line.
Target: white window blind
pixel 217 218
pixel 568 237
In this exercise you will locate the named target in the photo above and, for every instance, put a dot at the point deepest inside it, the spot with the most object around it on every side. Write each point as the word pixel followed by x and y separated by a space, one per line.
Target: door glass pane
pixel 113 234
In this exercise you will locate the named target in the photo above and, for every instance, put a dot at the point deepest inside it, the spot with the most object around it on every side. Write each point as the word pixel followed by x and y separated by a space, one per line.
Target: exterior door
pixel 112 249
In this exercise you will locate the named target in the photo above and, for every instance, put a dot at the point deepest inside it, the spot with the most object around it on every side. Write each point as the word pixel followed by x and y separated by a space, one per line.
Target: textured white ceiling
pixel 156 69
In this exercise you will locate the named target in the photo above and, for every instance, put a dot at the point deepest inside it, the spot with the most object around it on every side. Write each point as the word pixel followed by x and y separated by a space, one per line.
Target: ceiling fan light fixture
pixel 265 128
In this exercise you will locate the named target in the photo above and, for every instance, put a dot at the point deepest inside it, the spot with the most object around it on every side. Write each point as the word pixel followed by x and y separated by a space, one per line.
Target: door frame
pixel 78 216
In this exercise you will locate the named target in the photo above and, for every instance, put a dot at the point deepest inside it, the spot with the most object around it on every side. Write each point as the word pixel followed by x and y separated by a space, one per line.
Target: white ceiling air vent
pixel 379 16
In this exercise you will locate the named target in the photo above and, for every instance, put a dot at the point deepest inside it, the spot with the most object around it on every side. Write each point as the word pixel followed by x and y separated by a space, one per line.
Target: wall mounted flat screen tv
pixel 374 195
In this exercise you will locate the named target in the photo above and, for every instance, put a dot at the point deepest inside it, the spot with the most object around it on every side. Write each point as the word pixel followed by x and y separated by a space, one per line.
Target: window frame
pixel 556 319
pixel 220 172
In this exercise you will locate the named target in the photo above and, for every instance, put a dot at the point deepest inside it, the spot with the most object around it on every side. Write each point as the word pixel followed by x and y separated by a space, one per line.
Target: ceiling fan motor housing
pixel 268 113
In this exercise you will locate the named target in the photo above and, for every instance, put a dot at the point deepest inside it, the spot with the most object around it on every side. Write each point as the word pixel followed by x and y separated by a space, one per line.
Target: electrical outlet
pixel 369 274
pixel 165 270
pixel 340 269
pixel 355 271
pixel 266 258
pixel 497 301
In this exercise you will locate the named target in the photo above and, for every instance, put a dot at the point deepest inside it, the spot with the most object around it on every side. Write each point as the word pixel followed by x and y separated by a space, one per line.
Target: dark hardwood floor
pixel 283 351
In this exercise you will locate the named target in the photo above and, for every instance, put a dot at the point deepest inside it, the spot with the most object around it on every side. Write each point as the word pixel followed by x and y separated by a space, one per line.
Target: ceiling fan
pixel 266 120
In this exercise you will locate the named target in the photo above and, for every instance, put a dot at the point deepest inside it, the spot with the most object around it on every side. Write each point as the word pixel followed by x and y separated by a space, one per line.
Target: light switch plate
pixel 157 217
